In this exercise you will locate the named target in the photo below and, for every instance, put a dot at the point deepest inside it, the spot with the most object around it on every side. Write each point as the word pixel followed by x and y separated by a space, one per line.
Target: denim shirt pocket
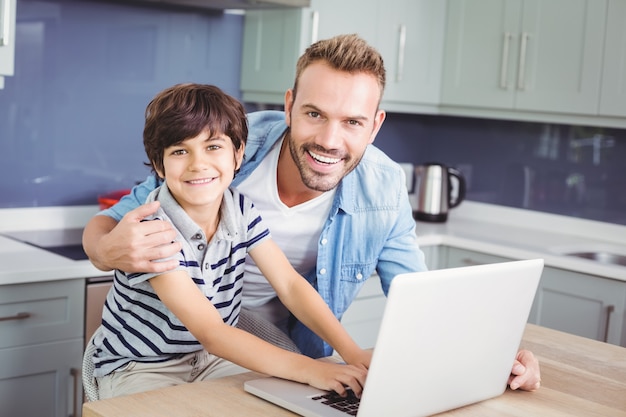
pixel 352 279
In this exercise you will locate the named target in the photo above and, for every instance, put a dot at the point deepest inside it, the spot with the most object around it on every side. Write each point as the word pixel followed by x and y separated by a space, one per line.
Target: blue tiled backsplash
pixel 71 118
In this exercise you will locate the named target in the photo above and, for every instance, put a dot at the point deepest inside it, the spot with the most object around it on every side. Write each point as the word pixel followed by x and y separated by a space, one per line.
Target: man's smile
pixel 324 159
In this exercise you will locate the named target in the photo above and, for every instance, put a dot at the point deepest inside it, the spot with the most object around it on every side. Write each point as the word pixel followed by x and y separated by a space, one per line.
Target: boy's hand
pixel 336 377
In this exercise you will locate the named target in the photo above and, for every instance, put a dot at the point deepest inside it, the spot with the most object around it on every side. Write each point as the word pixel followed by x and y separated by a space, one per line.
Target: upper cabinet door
pixel 613 99
pixel 560 65
pixel 481 52
pixel 411 38
pixel 274 39
pixel 331 18
pixel 271 46
pixel 535 55
pixel 7 37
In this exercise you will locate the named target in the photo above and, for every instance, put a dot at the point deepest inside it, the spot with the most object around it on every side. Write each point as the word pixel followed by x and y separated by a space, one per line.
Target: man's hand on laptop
pixel 525 374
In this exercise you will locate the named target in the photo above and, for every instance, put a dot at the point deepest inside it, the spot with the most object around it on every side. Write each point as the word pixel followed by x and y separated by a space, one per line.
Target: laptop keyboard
pixel 348 404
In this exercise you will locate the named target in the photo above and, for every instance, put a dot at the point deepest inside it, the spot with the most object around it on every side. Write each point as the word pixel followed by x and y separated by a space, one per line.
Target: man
pixel 335 204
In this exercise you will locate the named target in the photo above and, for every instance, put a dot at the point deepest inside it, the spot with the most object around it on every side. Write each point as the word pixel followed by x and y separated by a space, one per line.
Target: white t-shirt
pixel 295 230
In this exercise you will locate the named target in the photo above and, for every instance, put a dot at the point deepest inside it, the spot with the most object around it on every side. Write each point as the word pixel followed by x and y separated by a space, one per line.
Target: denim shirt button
pixel 323 271
pixel 324 241
pixel 359 276
pixel 201 246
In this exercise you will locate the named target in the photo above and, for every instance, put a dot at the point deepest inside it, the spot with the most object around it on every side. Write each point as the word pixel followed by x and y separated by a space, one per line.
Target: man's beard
pixel 314 180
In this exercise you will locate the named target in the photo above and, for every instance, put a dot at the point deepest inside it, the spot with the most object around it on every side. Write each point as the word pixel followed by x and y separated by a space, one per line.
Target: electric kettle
pixel 433 191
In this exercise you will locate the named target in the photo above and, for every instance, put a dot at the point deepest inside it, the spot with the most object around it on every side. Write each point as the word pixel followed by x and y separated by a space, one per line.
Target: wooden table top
pixel 580 377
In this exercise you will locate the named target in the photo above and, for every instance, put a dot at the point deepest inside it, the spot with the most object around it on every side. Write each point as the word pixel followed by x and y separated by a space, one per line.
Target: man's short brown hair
pixel 348 53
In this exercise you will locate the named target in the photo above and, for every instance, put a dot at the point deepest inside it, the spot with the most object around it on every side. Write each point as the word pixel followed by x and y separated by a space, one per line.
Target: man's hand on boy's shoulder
pixel 134 244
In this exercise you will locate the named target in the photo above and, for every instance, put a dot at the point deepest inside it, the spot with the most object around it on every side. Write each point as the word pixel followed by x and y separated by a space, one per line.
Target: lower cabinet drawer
pixel 41 312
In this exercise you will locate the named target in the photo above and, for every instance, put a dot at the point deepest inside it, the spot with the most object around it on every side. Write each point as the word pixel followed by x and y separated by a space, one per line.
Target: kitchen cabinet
pixel 529 55
pixel 273 41
pixel 408 34
pixel 271 45
pixel 41 348
pixel 410 38
pixel 551 61
pixel 613 97
pixel 7 38
pixel 581 304
pixel 569 301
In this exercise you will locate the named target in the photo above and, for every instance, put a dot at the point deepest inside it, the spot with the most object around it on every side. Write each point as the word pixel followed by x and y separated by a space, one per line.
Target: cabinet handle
pixel 609 311
pixel 505 61
pixel 18 316
pixel 6 23
pixel 401 49
pixel 76 374
pixel 521 75
pixel 315 26
pixel 470 262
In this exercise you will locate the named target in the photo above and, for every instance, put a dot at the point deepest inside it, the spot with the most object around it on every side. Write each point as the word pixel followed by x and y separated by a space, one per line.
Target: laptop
pixel 448 338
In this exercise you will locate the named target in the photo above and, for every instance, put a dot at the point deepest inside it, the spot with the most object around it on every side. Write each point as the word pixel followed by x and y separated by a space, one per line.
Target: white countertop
pixel 497 230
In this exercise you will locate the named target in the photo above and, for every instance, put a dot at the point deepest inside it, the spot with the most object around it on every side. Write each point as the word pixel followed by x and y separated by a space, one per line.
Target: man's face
pixel 332 119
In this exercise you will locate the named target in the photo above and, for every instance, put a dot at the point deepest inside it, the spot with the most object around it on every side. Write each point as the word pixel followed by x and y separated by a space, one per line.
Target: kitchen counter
pixel 580 377
pixel 497 230
pixel 22 263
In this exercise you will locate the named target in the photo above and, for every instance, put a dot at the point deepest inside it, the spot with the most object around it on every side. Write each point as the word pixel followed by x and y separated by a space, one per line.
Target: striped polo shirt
pixel 136 324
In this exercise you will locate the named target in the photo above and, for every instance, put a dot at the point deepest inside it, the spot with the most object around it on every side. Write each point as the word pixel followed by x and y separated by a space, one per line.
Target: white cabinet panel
pixel 530 60
pixel 613 98
pixel 270 50
pixel 331 18
pixel 481 58
pixel 581 304
pixel 41 380
pixel 410 39
pixel 41 348
pixel 7 38
pixel 408 33
pixel 525 55
pixel 584 305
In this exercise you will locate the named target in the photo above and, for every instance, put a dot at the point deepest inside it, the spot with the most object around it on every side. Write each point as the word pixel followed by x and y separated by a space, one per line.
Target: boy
pixel 162 329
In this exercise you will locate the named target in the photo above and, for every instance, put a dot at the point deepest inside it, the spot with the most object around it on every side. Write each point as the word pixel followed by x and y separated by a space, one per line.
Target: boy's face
pixel 199 169
pixel 332 119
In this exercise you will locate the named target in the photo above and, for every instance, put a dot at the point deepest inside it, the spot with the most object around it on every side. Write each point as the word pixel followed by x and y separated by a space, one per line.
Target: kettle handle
pixel 452 172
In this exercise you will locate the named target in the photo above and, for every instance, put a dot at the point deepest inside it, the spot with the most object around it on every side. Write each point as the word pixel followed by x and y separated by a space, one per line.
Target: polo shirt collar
pixel 226 228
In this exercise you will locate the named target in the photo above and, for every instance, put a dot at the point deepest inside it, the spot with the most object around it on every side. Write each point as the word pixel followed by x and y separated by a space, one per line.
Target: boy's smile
pixel 198 170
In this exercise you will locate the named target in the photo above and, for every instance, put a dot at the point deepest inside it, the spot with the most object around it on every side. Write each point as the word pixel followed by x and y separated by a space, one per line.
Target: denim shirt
pixel 370 227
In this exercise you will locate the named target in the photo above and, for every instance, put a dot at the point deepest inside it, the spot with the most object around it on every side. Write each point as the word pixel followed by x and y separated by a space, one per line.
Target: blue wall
pixel 572 170
pixel 71 118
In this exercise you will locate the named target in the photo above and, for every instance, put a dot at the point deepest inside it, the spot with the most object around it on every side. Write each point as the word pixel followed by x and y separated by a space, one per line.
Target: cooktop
pixel 63 242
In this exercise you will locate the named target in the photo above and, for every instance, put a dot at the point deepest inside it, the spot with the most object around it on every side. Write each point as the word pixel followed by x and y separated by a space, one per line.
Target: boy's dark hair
pixel 184 111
